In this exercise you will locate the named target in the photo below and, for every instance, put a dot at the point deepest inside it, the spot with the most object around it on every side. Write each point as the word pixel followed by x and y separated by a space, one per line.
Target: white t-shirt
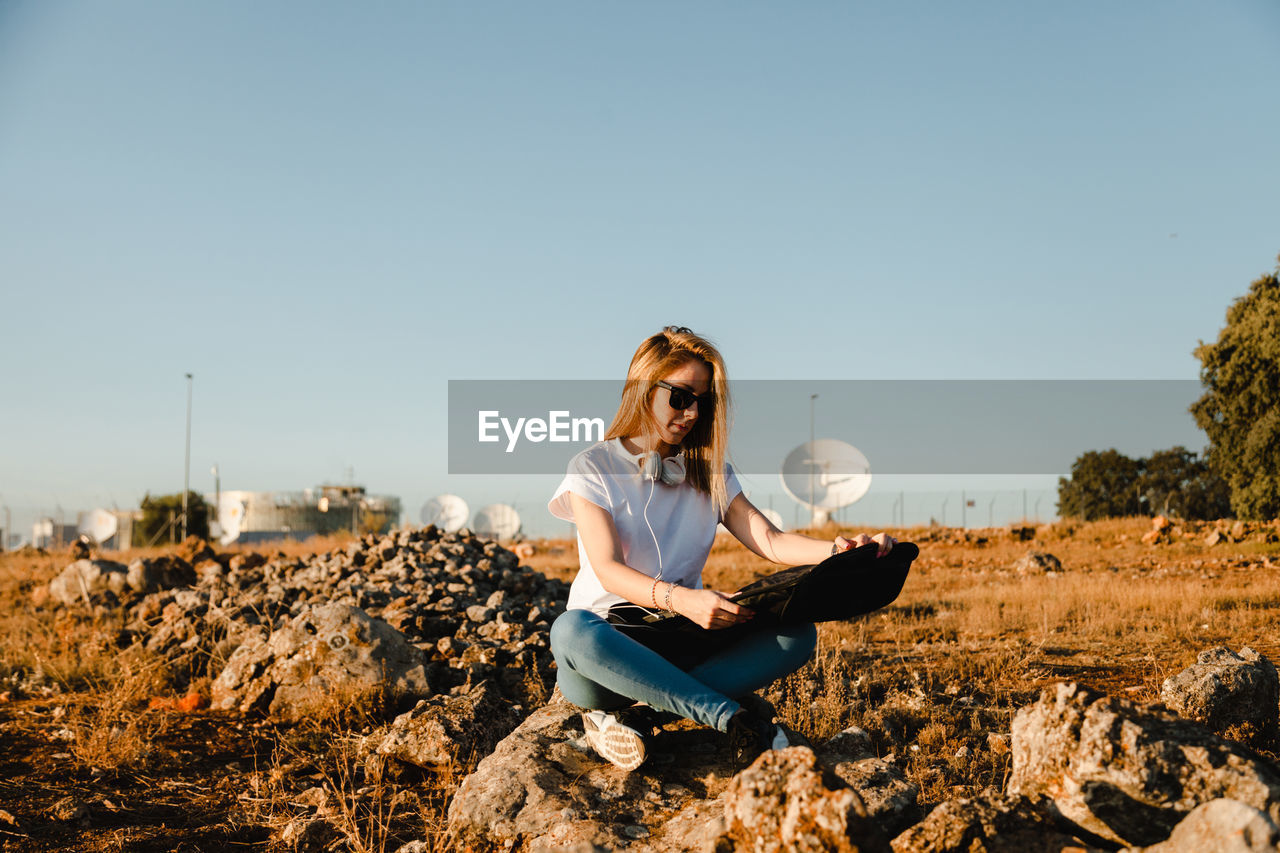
pixel 683 521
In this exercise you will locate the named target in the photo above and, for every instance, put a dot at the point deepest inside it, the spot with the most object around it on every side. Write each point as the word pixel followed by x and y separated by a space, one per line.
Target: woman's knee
pixel 798 642
pixel 574 632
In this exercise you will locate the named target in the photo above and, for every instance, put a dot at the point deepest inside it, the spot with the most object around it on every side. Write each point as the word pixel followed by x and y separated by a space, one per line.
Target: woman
pixel 646 502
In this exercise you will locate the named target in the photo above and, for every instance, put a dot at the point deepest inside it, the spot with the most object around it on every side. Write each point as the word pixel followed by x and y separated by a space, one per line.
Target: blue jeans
pixel 600 667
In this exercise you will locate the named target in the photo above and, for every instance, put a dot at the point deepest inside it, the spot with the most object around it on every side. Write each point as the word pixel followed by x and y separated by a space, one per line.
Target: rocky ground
pixel 1095 687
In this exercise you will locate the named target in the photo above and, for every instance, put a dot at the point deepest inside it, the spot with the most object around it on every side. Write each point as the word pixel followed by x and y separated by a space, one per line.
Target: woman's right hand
pixel 709 609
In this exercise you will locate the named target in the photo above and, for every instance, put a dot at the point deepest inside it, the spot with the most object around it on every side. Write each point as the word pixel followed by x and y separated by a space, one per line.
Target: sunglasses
pixel 683 398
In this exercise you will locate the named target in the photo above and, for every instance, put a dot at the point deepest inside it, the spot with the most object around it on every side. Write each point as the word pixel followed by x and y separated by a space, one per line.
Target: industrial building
pixel 48 533
pixel 260 516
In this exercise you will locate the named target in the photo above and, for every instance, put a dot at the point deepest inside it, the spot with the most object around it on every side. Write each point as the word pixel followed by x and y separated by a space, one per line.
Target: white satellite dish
pixel 230 516
pixel 447 512
pixel 825 475
pixel 98 525
pixel 496 521
pixel 774 516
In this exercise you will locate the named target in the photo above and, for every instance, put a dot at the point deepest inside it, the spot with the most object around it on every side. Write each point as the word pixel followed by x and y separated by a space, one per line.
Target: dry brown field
pixel 97 752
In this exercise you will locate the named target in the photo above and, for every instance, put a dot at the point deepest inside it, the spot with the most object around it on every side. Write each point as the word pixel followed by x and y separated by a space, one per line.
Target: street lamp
pixel 217 489
pixel 813 450
pixel 186 472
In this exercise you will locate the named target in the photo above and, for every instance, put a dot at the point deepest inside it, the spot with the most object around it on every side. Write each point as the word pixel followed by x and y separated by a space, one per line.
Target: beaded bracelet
pixel 653 593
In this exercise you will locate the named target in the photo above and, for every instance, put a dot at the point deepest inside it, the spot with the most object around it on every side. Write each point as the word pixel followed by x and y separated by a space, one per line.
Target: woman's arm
pixel 755 531
pixel 704 607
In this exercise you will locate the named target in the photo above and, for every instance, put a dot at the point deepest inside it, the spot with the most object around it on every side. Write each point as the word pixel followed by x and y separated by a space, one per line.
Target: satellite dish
pixel 447 512
pixel 825 475
pixel 98 525
pixel 230 516
pixel 774 516
pixel 496 521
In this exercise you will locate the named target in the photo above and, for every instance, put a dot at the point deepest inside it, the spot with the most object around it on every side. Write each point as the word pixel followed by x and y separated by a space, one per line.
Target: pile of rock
pixel 1224 532
pixel 412 615
pixel 1165 531
pixel 544 789
pixel 1090 773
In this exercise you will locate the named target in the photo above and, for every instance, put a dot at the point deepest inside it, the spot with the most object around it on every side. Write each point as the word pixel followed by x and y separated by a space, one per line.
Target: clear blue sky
pixel 327 210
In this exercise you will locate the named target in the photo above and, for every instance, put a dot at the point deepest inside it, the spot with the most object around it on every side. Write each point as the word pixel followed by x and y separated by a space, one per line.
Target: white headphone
pixel 654 467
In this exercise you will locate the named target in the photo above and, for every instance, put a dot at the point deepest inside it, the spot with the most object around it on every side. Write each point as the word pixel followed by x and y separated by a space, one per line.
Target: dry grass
pixel 934 679
pixel 320 781
pixel 116 731
pixel 70 647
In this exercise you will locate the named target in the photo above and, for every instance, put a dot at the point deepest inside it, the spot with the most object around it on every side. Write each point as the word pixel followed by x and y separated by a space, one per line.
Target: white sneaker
pixel 619 744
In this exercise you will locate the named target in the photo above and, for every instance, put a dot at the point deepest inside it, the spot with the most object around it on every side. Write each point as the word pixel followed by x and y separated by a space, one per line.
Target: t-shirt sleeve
pixel 732 488
pixel 583 480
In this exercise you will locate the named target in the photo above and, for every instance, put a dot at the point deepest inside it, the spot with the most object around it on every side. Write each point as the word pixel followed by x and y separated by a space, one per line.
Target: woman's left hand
pixel 884 540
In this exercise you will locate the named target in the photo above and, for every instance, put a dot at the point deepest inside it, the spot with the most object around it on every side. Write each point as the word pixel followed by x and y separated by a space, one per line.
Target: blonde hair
pixel 707 443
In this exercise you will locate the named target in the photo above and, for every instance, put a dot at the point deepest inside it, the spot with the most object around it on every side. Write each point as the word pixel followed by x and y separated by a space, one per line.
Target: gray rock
pixel 143 576
pixel 1222 826
pixel 785 802
pixel 698 826
pixel 324 655
pixel 306 835
pixel 996 823
pixel 849 745
pixel 479 613
pixel 1223 688
pixel 1129 773
pixel 147 575
pixel 415 847
pixel 539 786
pixel 543 788
pixel 89 579
pixel 68 810
pixel 550 844
pixel 1037 563
pixel 441 729
pixel 890 797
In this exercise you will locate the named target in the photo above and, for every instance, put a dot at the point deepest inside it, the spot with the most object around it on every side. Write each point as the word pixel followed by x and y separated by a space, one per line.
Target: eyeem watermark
pixel 559 426
pixel 914 426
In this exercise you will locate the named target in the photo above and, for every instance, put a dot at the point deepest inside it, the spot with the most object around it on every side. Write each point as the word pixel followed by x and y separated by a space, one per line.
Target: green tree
pixel 157 511
pixel 1240 409
pixel 1102 484
pixel 1177 482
